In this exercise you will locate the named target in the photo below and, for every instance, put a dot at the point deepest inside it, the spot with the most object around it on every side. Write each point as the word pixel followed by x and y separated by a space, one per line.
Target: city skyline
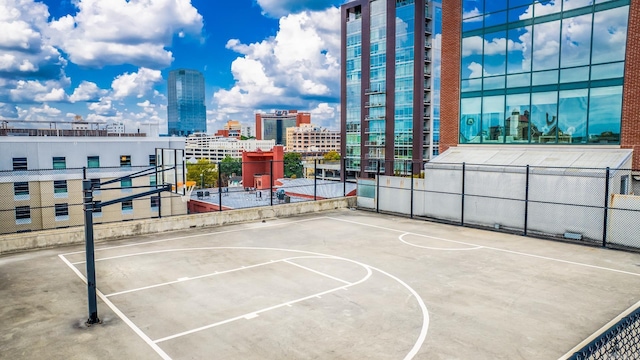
pixel 68 58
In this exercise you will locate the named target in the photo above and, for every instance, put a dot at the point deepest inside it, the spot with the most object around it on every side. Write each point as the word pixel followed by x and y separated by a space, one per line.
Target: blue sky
pixel 108 60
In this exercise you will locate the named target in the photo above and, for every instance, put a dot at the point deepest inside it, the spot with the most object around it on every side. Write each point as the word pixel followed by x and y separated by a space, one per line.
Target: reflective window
pixel 572 116
pixel 605 110
pixel 470 120
pixel 471 59
pixel 517 122
pixel 495 53
pixel 519 50
pixel 576 41
pixel 574 74
pixel 574 4
pixel 544 116
pixel 493 119
pixel 544 77
pixel 607 71
pixel 610 35
pixel 546 45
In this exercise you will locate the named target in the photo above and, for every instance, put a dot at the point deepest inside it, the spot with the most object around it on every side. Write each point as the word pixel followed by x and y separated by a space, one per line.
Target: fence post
pixel 315 178
pixel 84 173
pixel 220 187
pixel 344 174
pixel 87 191
pixel 378 186
pixel 271 181
pixel 606 207
pixel 411 179
pixel 526 202
pixel 462 198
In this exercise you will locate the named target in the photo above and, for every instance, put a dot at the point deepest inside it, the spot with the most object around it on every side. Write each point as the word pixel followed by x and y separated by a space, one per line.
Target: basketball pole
pixel 90 255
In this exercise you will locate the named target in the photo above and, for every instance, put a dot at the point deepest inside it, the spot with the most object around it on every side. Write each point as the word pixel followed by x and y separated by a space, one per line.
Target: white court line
pixel 183 279
pixel 600 331
pixel 498 249
pixel 197 235
pixel 401 238
pixel 254 314
pixel 317 272
pixel 120 314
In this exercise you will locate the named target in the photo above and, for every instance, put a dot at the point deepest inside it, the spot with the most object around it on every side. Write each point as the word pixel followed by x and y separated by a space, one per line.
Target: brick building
pixel 273 126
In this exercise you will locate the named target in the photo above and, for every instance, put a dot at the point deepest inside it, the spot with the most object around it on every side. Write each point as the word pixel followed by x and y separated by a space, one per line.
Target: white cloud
pixel 26 91
pixel 472 14
pixel 39 113
pixel 8 111
pixel 297 68
pixel 278 8
pixel 115 32
pixel 87 91
pixel 135 84
pixel 103 108
pixel 473 46
pixel 25 50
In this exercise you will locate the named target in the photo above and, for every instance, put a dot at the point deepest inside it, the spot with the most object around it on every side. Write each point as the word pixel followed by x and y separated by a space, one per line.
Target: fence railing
pixel 44 199
pixel 588 205
pixel 621 341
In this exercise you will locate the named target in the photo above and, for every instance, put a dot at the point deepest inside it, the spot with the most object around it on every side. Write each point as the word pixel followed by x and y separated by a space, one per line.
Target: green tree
pixel 204 173
pixel 293 165
pixel 229 167
pixel 332 155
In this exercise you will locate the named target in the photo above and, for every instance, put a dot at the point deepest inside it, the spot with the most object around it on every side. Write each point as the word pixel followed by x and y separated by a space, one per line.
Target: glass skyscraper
pixel 186 109
pixel 390 84
pixel 542 72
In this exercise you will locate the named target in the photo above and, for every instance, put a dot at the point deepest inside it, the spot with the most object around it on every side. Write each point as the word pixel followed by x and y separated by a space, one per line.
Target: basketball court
pixel 337 285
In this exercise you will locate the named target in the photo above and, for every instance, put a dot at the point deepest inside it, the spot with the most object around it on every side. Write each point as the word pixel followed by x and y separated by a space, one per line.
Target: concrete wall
pixel 104 232
pixel 623 226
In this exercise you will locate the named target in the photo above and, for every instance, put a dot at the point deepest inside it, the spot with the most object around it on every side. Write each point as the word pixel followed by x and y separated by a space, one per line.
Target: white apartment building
pixel 310 138
pixel 215 148
pixel 41 180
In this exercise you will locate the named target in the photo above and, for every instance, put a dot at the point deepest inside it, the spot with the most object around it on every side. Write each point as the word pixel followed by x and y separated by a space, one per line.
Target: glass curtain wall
pixel 353 85
pixel 376 93
pixel 542 72
pixel 404 81
pixel 435 89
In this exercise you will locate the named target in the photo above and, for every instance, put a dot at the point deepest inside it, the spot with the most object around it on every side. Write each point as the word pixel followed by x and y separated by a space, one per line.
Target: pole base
pixel 92 320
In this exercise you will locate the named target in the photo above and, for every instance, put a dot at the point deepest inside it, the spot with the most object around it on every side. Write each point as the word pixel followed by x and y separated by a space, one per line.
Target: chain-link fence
pixel 621 341
pixel 52 198
pixel 266 182
pixel 588 205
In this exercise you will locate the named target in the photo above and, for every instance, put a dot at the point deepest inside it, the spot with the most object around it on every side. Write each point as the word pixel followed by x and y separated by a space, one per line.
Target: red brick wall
pixel 450 85
pixel 631 95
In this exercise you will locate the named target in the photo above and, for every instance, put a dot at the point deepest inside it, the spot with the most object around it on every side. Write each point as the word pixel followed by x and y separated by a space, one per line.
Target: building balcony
pixel 427 28
pixel 427 59
pixel 368 92
pixel 427 45
pixel 373 131
pixel 374 143
pixel 369 118
pixel 368 105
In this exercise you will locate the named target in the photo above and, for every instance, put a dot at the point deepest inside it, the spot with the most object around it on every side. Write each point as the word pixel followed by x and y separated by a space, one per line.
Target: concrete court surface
pixel 342 284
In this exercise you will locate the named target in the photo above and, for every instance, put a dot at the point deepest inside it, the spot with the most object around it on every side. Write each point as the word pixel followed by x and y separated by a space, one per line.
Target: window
pixel 19 163
pixel 59 162
pixel 125 160
pixel 21 189
pixel 624 184
pixel 62 212
pixel 127 206
pixel 153 180
pixel 155 203
pixel 126 183
pixel 93 161
pixel 23 215
pixel 59 187
pixel 152 160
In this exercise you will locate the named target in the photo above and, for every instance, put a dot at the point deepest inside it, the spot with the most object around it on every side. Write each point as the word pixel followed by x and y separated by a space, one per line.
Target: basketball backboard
pixel 171 170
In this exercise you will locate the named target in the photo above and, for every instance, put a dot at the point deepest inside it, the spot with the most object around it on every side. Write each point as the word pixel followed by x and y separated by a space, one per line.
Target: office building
pixel 186 109
pixel 390 74
pixel 308 138
pixel 273 126
pixel 541 75
pixel 216 148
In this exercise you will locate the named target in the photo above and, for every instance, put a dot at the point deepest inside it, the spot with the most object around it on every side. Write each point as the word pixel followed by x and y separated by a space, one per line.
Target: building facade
pixel 308 138
pixel 529 73
pixel 273 126
pixel 41 180
pixel 186 110
pixel 216 148
pixel 390 82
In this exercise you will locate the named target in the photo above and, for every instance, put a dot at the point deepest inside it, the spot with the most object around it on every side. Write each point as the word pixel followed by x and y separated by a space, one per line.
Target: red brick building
pixel 257 167
pixel 273 126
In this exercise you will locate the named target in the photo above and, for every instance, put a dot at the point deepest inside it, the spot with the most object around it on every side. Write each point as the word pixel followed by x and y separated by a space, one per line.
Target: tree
pixel 203 172
pixel 230 166
pixel 332 155
pixel 292 165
